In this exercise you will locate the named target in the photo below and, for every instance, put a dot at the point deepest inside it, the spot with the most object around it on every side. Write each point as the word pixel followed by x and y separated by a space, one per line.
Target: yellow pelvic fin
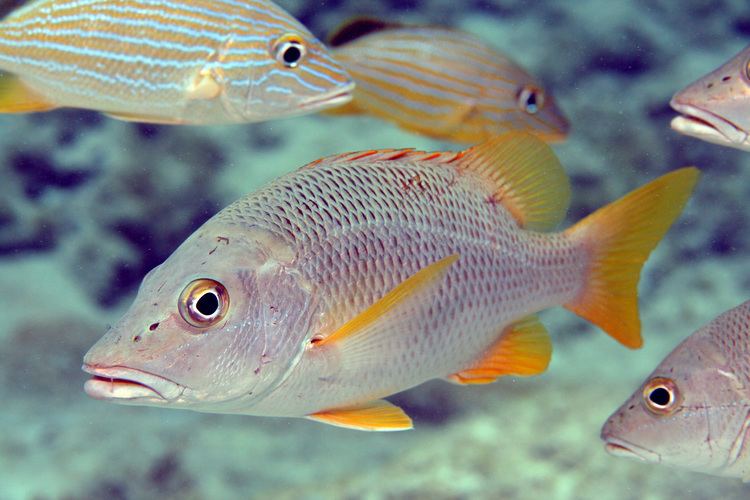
pixel 620 238
pixel 526 177
pixel 16 97
pixel 157 120
pixel 378 415
pixel 350 108
pixel 373 320
pixel 524 348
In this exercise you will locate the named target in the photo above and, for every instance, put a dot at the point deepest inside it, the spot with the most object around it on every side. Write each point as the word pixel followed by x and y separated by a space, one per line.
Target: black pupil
pixel 659 396
pixel 292 54
pixel 207 304
pixel 531 100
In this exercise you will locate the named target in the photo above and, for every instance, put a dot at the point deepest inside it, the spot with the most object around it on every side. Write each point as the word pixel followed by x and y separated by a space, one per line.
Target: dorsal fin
pixel 358 27
pixel 526 176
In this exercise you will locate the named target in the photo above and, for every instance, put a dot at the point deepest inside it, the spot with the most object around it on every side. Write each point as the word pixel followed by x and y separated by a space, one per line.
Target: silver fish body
pixel 693 411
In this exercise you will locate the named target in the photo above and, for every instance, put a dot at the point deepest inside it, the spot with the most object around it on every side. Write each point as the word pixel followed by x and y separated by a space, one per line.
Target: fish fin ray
pixel 378 415
pixel 526 176
pixel 16 97
pixel 524 348
pixel 620 238
pixel 356 335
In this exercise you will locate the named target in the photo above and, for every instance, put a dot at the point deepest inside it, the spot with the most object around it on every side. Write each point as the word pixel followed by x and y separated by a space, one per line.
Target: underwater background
pixel 89 204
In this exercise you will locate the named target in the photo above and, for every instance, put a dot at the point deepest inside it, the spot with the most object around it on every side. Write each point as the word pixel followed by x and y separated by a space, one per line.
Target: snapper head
pixel 685 414
pixel 214 328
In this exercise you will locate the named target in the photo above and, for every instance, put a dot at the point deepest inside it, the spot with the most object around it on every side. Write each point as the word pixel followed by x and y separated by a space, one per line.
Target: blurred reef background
pixel 88 205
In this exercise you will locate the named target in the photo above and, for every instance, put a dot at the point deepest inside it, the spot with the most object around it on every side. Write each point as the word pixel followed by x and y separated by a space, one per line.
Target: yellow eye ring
pixel 203 303
pixel 530 99
pixel 661 396
pixel 289 50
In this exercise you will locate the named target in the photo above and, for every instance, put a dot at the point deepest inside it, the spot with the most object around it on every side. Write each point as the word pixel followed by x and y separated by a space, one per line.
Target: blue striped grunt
pixel 442 83
pixel 166 61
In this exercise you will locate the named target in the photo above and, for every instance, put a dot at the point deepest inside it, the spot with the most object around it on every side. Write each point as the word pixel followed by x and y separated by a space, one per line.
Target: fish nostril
pixel 137 338
pixel 153 326
pixel 726 78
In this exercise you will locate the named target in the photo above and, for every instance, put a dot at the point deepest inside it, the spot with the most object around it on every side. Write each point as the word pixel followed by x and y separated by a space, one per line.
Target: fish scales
pixel 140 57
pixel 368 273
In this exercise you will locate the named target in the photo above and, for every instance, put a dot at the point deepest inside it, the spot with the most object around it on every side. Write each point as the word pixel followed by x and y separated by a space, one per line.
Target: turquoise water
pixel 90 204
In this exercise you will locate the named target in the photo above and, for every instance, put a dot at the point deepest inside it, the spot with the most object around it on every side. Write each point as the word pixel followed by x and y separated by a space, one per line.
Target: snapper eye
pixel 660 395
pixel 203 303
pixel 530 99
pixel 289 50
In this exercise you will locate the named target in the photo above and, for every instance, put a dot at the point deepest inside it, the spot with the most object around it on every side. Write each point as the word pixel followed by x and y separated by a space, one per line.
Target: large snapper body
pixel 364 274
pixel 382 221
pixel 693 411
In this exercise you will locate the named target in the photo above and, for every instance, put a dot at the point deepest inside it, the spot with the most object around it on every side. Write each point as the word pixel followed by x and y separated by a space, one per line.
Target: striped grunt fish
pixel 365 274
pixel 166 61
pixel 442 83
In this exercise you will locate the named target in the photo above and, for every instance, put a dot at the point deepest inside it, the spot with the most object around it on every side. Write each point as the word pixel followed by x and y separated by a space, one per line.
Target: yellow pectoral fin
pixel 379 415
pixel 414 289
pixel 524 348
pixel 16 97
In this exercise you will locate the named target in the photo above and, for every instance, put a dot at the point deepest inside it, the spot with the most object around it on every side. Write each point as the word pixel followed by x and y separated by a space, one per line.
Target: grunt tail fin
pixel 620 238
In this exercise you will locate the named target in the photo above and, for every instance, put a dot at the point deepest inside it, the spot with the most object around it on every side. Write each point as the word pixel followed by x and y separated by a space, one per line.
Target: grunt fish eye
pixel 660 395
pixel 747 69
pixel 289 50
pixel 530 99
pixel 203 303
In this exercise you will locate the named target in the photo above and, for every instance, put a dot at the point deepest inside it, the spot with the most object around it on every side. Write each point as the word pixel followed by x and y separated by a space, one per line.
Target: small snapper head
pixel 294 74
pixel 716 107
pixel 213 328
pixel 538 108
pixel 685 414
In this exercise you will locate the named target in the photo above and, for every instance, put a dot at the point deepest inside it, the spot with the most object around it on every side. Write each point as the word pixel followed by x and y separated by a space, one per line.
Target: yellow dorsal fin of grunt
pixel 378 415
pixel 358 27
pixel 619 239
pixel 524 348
pixel 526 177
pixel 411 293
pixel 15 97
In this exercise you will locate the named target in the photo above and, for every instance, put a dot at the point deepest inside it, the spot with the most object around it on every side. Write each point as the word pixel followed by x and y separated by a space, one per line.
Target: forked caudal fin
pixel 620 238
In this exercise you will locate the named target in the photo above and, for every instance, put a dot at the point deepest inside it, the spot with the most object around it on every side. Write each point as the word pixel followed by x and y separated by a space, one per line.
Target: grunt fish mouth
pixel 620 448
pixel 337 98
pixel 705 125
pixel 122 384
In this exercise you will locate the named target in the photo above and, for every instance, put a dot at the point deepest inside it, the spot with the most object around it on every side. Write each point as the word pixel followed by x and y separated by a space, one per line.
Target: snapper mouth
pixel 128 385
pixel 706 125
pixel 620 448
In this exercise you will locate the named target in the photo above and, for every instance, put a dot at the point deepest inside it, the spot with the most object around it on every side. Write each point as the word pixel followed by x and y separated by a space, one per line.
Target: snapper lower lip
pixel 695 121
pixel 624 449
pixel 123 384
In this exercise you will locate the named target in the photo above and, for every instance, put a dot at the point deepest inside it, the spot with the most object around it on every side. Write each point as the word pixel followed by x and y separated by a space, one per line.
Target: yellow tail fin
pixel 620 238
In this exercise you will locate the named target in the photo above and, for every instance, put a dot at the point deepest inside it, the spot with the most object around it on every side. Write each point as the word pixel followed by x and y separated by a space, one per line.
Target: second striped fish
pixel 442 83
pixel 166 61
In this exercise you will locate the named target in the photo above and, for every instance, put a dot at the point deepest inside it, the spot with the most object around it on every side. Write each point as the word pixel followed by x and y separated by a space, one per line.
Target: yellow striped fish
pixel 166 61
pixel 442 83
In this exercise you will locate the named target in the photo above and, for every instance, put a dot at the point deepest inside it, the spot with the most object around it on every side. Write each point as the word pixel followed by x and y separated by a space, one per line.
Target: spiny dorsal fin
pixel 377 155
pixel 357 28
pixel 378 415
pixel 15 97
pixel 524 348
pixel 526 176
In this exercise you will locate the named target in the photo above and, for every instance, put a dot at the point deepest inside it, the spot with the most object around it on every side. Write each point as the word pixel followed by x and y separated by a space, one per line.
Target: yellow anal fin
pixel 412 290
pixel 378 415
pixel 524 348
pixel 619 238
pixel 157 120
pixel 16 97
pixel 526 178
